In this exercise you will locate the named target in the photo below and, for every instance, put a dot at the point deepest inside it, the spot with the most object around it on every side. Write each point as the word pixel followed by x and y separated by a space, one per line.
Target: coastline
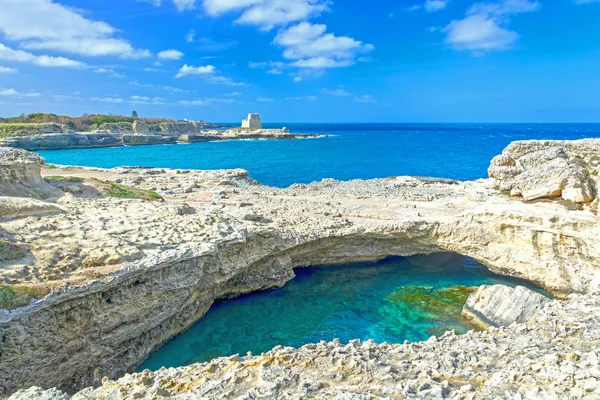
pixel 219 234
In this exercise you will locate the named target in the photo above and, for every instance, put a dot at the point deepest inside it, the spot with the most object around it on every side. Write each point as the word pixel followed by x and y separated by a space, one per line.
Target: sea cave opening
pixel 392 300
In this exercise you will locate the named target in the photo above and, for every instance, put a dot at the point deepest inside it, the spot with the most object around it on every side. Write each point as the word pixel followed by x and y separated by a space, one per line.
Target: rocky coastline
pixel 56 136
pixel 122 274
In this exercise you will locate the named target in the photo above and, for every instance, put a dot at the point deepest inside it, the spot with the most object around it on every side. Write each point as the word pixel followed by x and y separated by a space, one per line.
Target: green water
pixel 390 301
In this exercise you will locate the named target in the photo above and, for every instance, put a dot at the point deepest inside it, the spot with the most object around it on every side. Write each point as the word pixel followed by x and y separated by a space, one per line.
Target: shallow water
pixel 390 301
pixel 459 151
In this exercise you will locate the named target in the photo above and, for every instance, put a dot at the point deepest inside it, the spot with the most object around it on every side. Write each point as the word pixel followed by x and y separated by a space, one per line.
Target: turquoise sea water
pixel 390 301
pixel 459 151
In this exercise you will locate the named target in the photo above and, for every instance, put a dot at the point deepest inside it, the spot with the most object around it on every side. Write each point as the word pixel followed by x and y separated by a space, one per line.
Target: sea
pixel 345 151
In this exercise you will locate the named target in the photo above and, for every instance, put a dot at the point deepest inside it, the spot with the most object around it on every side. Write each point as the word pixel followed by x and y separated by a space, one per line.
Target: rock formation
pixel 500 305
pixel 549 169
pixel 20 175
pixel 124 275
pixel 554 356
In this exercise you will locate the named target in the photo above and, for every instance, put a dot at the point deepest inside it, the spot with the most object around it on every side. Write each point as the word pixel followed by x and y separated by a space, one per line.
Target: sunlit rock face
pixel 20 175
pixel 536 169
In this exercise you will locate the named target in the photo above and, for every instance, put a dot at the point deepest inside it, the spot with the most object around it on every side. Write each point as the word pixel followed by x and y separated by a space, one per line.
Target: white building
pixel 253 122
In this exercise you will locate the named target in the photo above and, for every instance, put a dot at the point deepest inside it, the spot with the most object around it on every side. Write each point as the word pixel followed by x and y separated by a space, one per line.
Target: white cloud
pixel 365 98
pixel 485 28
pixel 46 25
pixel 47 61
pixel 416 7
pixel 155 3
pixel 154 101
pixel 337 92
pixel 170 54
pixel 232 94
pixel 183 5
pixel 264 100
pixel 435 5
pixel 6 53
pixel 297 79
pixel 311 47
pixel 13 92
pixel 8 92
pixel 223 80
pixel 7 70
pixel 267 14
pixel 303 98
pixel 114 100
pixel 209 73
pixel 192 70
pixel 191 36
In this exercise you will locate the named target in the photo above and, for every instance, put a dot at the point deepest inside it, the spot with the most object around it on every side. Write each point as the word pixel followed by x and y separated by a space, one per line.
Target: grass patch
pixel 73 179
pixel 9 251
pixel 127 192
pixel 26 129
pixel 16 296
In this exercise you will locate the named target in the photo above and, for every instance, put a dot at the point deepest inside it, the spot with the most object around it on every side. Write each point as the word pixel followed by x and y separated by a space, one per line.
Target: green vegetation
pixel 127 192
pixel 16 296
pixel 30 124
pixel 73 179
pixel 9 251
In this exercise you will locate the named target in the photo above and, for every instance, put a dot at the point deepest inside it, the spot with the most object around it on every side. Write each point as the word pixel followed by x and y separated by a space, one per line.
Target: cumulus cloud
pixel 155 3
pixel 6 53
pixel 267 14
pixel 303 98
pixel 187 70
pixel 209 73
pixel 485 27
pixel 8 92
pixel 337 92
pixel 183 5
pixel 7 70
pixel 435 5
pixel 310 46
pixel 45 25
pixel 113 100
pixel 170 54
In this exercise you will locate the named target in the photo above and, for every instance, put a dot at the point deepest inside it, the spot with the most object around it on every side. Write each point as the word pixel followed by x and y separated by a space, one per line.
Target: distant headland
pixel 41 131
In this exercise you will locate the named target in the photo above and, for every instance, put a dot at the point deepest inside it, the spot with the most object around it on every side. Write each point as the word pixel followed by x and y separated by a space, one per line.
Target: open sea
pixel 459 151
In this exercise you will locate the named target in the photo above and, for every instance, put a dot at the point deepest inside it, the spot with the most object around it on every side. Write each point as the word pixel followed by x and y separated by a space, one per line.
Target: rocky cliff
pixel 20 175
pixel 124 275
pixel 537 169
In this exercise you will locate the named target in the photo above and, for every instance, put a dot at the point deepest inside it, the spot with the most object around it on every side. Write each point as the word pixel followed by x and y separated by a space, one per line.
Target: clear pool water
pixel 390 301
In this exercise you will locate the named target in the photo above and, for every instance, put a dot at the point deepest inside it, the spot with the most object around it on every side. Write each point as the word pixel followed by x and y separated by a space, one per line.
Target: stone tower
pixel 253 122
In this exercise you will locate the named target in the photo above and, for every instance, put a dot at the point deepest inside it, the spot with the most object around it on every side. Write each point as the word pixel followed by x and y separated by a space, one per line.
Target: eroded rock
pixel 500 305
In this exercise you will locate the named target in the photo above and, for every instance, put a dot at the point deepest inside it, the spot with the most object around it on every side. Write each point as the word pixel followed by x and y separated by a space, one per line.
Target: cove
pixel 396 299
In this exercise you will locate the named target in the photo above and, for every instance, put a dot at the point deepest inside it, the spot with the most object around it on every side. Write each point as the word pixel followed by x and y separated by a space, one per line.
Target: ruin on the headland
pixel 253 122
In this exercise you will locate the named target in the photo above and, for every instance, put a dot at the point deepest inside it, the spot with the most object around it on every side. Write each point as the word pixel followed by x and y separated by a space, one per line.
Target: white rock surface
pixel 500 305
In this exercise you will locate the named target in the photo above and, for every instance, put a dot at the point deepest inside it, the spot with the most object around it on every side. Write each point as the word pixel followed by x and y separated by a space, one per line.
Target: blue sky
pixel 304 60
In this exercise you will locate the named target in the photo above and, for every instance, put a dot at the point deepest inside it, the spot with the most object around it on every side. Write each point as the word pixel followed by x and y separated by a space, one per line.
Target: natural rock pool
pixel 397 299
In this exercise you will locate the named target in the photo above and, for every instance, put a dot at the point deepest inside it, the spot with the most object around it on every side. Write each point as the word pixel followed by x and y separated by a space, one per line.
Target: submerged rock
pixel 500 305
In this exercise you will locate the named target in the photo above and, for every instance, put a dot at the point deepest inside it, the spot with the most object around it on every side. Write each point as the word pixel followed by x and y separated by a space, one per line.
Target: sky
pixel 304 60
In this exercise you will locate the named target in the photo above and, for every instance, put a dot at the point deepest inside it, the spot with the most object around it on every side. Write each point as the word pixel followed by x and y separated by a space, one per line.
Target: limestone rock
pixel 140 127
pixel 36 393
pixel 20 207
pixel 500 305
pixel 20 175
pixel 549 169
pixel 556 178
